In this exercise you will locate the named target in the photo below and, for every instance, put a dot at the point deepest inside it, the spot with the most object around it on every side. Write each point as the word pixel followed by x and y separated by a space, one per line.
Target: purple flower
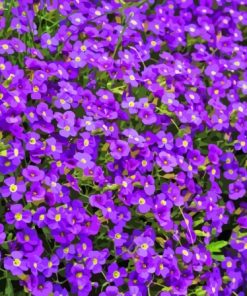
pixel 2 234
pixel 166 161
pixel 84 160
pixel 28 238
pixel 33 173
pixel 186 255
pixel 13 189
pixel 145 266
pixel 131 78
pixel 116 274
pixel 241 143
pixel 44 111
pixel 143 201
pixel 243 86
pixel 43 286
pixel 236 190
pixel 18 216
pixel 77 19
pixel 15 263
pixel 78 59
pixel 50 266
pixel 35 193
pixel 7 166
pixel 147 116
pixel 35 264
pixel 131 105
pixel 165 140
pixel 32 141
pixel 118 236
pixel 96 260
pixel 144 245
pixel 49 42
pixel 119 149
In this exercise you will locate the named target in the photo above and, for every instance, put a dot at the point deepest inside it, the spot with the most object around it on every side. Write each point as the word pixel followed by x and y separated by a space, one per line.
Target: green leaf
pixel 166 288
pixel 164 110
pixel 161 241
pixel 9 291
pixel 218 257
pixel 110 187
pixel 215 247
pixel 191 40
pixel 200 233
pixel 198 222
pixel 5 246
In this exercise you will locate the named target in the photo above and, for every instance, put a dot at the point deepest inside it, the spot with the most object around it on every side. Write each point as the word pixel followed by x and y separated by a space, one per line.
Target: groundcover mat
pixel 123 148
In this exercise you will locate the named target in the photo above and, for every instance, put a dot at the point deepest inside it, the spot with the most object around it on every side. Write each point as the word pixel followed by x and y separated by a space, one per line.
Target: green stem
pixel 186 224
pixel 121 35
pixel 174 124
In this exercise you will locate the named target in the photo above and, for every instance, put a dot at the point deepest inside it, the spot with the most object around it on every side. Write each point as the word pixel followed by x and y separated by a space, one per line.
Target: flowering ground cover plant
pixel 123 147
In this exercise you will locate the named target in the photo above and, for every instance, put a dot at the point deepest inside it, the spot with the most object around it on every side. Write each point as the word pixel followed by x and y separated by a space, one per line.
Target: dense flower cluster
pixel 123 163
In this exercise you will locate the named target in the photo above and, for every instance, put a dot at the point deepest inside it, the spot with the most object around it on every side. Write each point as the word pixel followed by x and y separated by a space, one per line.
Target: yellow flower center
pixel 117 236
pixel 190 168
pixel 41 217
pixel 86 142
pixel 58 217
pixel 144 246
pixel 18 216
pixel 116 274
pixel 228 160
pixel 125 184
pixel 32 141
pixel 13 188
pixel 27 238
pixel 142 201
pixel 36 88
pixel 83 48
pixel 66 250
pixel 17 262
pixel 16 152
pixel 185 143
pixel 59 164
pixel 79 275
pixel 83 160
